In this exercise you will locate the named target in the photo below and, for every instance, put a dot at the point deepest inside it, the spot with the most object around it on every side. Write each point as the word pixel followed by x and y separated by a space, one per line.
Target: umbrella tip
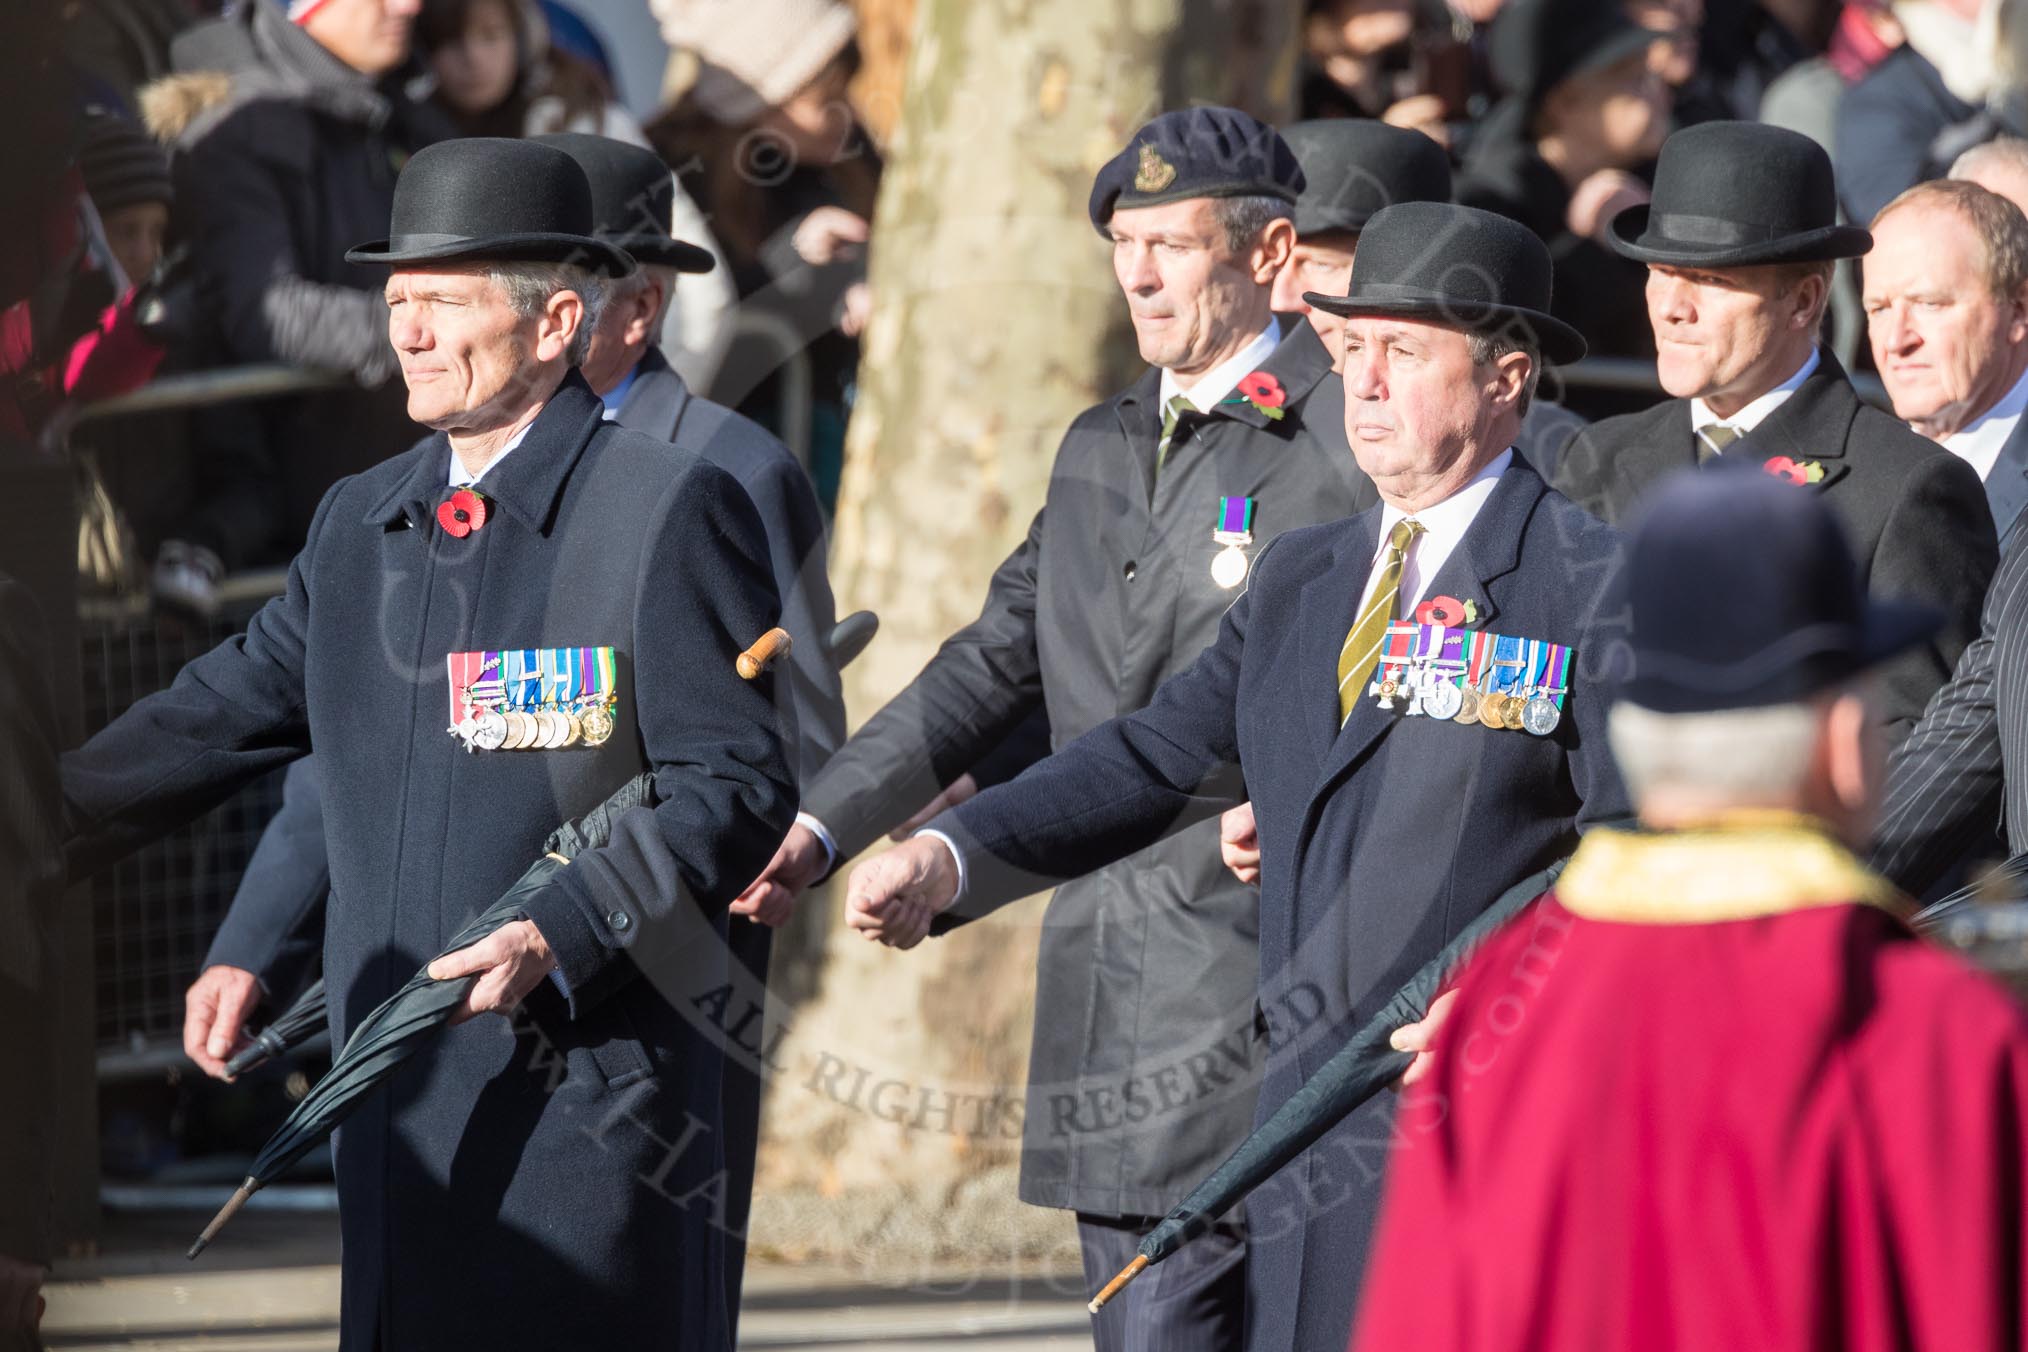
pixel 225 1213
pixel 1119 1283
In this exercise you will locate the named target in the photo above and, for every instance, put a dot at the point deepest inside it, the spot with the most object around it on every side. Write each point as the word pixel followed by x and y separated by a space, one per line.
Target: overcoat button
pixel 1129 571
pixel 620 920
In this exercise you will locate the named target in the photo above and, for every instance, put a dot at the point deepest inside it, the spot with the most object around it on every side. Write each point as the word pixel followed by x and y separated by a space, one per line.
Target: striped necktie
pixel 1369 631
pixel 1712 441
pixel 1172 416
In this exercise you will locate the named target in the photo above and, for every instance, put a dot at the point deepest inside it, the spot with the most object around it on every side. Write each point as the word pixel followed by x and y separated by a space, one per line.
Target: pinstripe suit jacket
pixel 1962 774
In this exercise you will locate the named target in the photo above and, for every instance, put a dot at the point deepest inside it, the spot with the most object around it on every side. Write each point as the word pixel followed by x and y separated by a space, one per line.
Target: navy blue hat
pixel 1743 592
pixel 1197 152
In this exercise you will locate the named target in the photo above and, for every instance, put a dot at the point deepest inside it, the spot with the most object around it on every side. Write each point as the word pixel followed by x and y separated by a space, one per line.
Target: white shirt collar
pixel 460 479
pixel 1979 442
pixel 1443 528
pixel 1755 412
pixel 1224 378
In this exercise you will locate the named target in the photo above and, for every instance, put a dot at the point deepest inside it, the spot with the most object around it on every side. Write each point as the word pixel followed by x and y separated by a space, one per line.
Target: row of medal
pixel 533 699
pixel 1468 676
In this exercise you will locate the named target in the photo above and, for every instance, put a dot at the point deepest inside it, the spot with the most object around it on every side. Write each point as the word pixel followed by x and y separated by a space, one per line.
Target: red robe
pixel 1791 1125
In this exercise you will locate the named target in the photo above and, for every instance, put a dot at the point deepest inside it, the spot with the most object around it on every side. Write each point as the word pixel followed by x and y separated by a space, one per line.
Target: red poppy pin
pixel 1794 471
pixel 1448 611
pixel 461 513
pixel 1264 392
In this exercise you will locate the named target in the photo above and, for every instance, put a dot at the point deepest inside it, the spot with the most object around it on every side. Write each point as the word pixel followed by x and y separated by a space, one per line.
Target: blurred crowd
pixel 190 181
pixel 187 182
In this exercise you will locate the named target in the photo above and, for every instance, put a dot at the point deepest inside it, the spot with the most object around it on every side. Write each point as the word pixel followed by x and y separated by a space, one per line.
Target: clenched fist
pixel 1239 843
pixel 215 1011
pixel 893 897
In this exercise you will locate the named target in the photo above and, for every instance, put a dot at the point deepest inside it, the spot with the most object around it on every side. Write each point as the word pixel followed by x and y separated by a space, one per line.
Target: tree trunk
pixel 894 1120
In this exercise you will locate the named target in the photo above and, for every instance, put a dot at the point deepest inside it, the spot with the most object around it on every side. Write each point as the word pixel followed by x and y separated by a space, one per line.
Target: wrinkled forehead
pixel 445 281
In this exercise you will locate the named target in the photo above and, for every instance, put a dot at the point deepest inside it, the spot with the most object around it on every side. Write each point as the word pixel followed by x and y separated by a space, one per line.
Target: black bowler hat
pixel 633 199
pixel 1197 152
pixel 489 198
pixel 1535 45
pixel 1354 166
pixel 1458 266
pixel 1742 592
pixel 1738 194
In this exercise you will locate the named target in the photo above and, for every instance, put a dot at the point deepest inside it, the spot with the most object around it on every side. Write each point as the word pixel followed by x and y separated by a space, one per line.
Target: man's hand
pixel 1239 843
pixel 829 235
pixel 962 788
pixel 1419 1037
pixel 513 958
pixel 892 898
pixel 21 1302
pixel 215 1011
pixel 799 861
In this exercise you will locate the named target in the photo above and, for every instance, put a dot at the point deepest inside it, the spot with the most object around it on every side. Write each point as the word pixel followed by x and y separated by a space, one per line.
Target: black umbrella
pixel 1360 1069
pixel 307 1017
pixel 394 1030
pixel 2001 882
pixel 302 1021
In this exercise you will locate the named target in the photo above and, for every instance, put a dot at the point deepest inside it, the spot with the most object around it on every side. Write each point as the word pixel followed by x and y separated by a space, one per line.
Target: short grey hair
pixel 1245 217
pixel 1747 757
pixel 530 285
pixel 635 282
pixel 1487 348
pixel 2009 152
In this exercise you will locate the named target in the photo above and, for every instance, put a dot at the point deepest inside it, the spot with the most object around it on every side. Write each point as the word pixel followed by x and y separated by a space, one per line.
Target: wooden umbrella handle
pixel 1119 1283
pixel 774 643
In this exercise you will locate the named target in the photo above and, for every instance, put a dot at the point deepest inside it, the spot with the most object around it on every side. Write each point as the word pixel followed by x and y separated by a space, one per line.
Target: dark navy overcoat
pixel 1379 842
pixel 551 1184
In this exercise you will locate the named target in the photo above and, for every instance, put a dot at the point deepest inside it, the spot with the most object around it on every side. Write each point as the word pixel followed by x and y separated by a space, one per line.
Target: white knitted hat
pixel 754 54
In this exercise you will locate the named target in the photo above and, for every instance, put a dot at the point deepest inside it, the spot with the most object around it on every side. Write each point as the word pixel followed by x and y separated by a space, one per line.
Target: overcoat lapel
pixel 1661 443
pixel 657 400
pixel 2007 485
pixel 1327 605
pixel 1811 424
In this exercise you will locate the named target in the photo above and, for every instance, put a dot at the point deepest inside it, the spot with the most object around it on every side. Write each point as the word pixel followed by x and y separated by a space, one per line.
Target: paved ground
pixel 271 1285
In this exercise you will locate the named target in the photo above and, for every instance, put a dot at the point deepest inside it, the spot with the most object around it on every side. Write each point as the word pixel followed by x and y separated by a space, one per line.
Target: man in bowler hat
pixel 1359 692
pixel 1159 503
pixel 524 573
pixel 1739 243
pixel 273 930
pixel 1711 1092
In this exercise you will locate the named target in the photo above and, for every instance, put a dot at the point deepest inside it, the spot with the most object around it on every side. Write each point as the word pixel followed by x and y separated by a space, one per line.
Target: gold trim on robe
pixel 1739 867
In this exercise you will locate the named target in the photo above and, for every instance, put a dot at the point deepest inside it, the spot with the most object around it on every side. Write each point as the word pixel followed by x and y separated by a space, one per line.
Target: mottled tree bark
pixel 996 320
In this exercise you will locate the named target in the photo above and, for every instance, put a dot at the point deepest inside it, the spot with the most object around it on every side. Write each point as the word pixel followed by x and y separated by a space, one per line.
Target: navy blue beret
pixel 1196 152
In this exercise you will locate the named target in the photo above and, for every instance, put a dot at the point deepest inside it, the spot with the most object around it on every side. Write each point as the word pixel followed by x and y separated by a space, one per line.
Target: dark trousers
pixel 1192 1301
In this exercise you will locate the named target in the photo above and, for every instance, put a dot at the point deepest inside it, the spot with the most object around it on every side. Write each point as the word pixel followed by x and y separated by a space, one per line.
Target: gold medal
pixel 1228 567
pixel 1493 709
pixel 597 723
pixel 520 731
pixel 574 728
pixel 1511 713
pixel 1468 706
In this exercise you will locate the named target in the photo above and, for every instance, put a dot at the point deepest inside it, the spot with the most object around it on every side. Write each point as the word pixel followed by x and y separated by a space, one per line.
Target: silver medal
pixel 1228 567
pixel 1442 699
pixel 489 730
pixel 1540 715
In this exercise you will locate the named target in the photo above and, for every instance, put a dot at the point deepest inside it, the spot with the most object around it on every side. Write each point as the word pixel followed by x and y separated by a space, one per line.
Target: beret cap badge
pixel 1154 173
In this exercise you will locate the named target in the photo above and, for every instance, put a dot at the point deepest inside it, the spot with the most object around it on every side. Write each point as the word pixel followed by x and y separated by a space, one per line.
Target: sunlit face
pixel 816 121
pixel 371 36
pixel 1416 407
pixel 469 360
pixel 1944 344
pixel 1719 332
pixel 134 233
pixel 1322 263
pixel 476 71
pixel 1620 111
pixel 1186 289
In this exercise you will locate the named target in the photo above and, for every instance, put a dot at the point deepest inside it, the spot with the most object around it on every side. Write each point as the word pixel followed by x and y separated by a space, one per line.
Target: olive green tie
pixel 1712 441
pixel 1172 414
pixel 1369 631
